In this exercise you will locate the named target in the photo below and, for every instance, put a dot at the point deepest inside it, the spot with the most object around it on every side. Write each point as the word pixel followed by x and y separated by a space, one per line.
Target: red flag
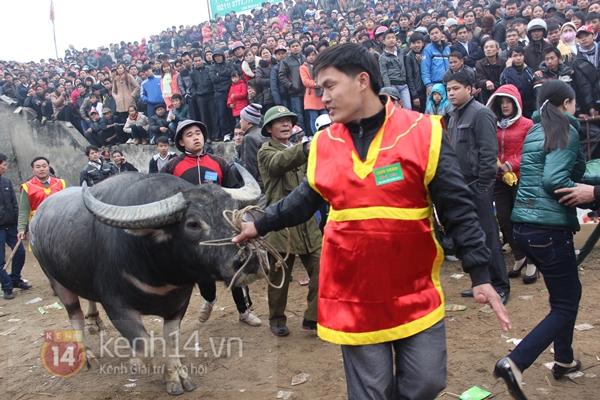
pixel 51 10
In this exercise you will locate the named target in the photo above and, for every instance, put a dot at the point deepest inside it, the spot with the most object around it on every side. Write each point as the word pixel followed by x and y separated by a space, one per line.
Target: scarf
pixel 590 54
pixel 504 123
pixel 134 118
pixel 167 79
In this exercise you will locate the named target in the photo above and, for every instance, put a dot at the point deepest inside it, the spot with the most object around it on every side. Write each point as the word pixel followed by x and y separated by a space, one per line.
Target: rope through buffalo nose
pixel 235 218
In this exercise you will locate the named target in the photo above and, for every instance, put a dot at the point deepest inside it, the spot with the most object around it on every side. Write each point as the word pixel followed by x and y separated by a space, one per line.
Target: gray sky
pixel 28 29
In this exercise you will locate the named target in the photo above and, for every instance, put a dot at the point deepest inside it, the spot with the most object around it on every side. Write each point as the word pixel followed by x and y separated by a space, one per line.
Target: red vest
pixel 379 276
pixel 38 193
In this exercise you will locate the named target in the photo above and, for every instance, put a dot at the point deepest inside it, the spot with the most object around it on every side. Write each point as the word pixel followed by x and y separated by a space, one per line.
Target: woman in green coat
pixel 543 229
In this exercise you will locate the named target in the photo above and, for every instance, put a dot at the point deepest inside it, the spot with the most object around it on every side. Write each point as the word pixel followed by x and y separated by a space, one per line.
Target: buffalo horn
pixel 144 216
pixel 250 192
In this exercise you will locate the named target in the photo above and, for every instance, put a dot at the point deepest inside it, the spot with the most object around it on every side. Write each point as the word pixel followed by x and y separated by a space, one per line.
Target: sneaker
pixel 170 142
pixel 129 141
pixel 280 330
pixel 152 141
pixel 68 124
pixel 21 285
pixel 8 295
pixel 250 318
pixel 451 258
pixel 205 310
pixel 227 138
pixel 44 119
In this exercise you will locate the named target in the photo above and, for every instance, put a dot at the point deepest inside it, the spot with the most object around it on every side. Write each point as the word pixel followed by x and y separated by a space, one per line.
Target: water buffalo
pixel 131 243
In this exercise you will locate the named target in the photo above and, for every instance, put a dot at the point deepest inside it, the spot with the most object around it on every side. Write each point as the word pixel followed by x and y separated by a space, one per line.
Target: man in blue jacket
pixel 434 59
pixel 150 93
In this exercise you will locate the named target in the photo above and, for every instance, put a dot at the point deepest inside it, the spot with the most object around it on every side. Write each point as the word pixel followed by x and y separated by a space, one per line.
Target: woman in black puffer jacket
pixel 263 74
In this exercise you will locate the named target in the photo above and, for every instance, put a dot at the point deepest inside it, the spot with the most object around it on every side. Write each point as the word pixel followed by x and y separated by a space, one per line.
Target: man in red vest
pixel 36 190
pixel 382 169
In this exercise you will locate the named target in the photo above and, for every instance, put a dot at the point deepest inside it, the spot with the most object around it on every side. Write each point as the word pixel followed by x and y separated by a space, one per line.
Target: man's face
pixel 586 40
pixel 457 93
pixel 416 46
pixel 518 59
pixel 39 91
pixel 594 23
pixel 522 28
pixel 455 63
pixel 198 62
pixel 512 39
pixel 583 4
pixel 93 155
pixel 118 158
pixel 3 166
pixel 94 116
pixel 390 40
pixel 554 36
pixel 107 115
pixel 342 94
pixel 511 10
pixel 192 139
pixel 23 80
pixel 462 35
pixel 404 22
pixel 107 85
pixel 187 61
pixel 561 5
pixel 281 129
pixel 551 61
pixel 176 103
pixel 280 55
pixel 218 58
pixel 163 148
pixel 592 8
pixel 295 48
pixel 537 35
pixel 490 49
pixel 435 35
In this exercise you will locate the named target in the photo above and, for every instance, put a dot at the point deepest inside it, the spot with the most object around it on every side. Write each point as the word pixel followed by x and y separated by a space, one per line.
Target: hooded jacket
pixel 441 109
pixel 510 134
pixel 434 63
pixel 220 73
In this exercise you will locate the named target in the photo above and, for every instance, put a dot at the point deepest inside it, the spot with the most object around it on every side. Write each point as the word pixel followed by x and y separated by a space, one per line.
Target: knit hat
pixel 251 113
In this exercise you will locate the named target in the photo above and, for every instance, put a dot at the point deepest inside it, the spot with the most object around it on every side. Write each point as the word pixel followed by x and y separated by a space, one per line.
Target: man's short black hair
pixel 38 159
pixel 456 54
pixel 511 2
pixel 461 77
pixel 432 26
pixel 516 49
pixel 3 158
pixel 553 50
pixel 552 26
pixel 177 96
pixel 90 148
pixel 146 67
pixel 162 139
pixel 350 59
pixel 415 37
pixel 118 151
pixel 462 26
pixel 590 16
pixel 512 30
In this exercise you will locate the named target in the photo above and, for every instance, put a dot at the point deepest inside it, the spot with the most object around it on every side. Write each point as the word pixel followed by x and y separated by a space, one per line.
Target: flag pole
pixel 54 34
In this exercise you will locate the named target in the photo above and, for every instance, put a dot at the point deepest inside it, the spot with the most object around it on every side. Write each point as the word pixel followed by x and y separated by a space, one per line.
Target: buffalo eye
pixel 193 225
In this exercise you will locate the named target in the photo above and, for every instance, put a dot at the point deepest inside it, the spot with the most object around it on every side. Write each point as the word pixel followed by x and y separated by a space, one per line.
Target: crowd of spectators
pixel 134 92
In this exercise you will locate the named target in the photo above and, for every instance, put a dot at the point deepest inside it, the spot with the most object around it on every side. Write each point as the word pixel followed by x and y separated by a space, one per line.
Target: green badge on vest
pixel 388 174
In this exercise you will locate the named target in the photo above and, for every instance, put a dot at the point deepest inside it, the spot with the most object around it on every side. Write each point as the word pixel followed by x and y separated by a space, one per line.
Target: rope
pixel 235 218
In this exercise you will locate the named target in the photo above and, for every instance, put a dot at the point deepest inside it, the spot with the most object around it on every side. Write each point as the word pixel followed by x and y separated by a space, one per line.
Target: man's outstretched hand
pixel 487 294
pixel 248 232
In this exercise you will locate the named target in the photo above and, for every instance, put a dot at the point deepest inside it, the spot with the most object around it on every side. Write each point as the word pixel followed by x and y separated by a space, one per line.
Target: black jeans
pixel 208 290
pixel 504 197
pixel 552 251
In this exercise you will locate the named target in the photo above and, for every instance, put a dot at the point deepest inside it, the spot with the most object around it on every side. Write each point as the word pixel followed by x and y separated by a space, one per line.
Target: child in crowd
pixel 238 96
pixel 158 161
pixel 179 112
pixel 437 102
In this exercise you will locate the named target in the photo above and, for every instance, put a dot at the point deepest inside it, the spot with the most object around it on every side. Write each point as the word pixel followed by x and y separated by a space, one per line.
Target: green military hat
pixel 276 113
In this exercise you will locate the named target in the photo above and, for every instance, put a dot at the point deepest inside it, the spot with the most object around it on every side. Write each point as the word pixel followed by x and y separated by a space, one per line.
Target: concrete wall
pixel 22 140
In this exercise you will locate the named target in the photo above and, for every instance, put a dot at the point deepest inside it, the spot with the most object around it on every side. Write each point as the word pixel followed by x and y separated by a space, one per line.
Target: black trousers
pixel 207 113
pixel 241 296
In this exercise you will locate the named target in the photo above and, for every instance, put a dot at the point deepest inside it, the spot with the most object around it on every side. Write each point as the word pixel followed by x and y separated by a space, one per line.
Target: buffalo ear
pixel 158 235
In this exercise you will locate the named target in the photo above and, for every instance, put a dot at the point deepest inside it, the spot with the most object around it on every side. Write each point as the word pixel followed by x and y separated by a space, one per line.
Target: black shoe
pixel 505 371
pixel 21 285
pixel 280 330
pixel 531 279
pixel 309 325
pixel 559 371
pixel 504 297
pixel 8 295
pixel 515 273
pixel 467 293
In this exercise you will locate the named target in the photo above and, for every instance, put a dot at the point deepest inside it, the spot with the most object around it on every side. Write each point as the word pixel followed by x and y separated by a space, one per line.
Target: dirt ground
pixel 268 364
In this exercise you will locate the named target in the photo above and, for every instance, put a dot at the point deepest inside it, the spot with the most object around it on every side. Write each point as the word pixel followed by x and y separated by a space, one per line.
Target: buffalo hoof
pixel 92 363
pixel 174 388
pixel 188 384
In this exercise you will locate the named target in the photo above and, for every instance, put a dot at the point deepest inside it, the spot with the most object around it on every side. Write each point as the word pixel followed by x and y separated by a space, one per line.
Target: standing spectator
pixel 280 94
pixel 537 30
pixel 554 68
pixel 289 76
pixel 203 94
pixel 489 69
pixel 158 161
pixel 9 216
pixel 313 94
pixel 392 68
pixel 136 126
pixel 252 142
pixel 512 127
pixel 472 130
pixel 263 77
pixel 470 50
pixel 121 163
pixel 511 8
pixel 168 83
pixel 150 90
pixel 434 60
pixel 237 98
pixel 184 81
pixel 586 66
pixel 95 171
pixel 125 91
pixel 521 76
pixel 457 64
pixel 412 60
pixel 220 75
pixel 552 159
pixel 280 165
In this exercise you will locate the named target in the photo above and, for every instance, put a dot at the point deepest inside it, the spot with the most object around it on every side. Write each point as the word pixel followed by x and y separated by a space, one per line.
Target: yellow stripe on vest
pixel 361 214
pixel 385 335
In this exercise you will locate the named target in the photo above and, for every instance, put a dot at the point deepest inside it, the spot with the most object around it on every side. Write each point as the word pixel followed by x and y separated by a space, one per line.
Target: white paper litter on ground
pixel 584 327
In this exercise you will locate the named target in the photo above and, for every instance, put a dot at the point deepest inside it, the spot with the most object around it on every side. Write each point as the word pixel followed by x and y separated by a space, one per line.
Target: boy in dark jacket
pixel 158 161
pixel 412 61
pixel 158 124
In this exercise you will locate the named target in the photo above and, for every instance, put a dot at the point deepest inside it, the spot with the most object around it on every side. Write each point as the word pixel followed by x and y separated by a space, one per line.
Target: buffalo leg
pixel 71 302
pixel 175 376
pixel 94 323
